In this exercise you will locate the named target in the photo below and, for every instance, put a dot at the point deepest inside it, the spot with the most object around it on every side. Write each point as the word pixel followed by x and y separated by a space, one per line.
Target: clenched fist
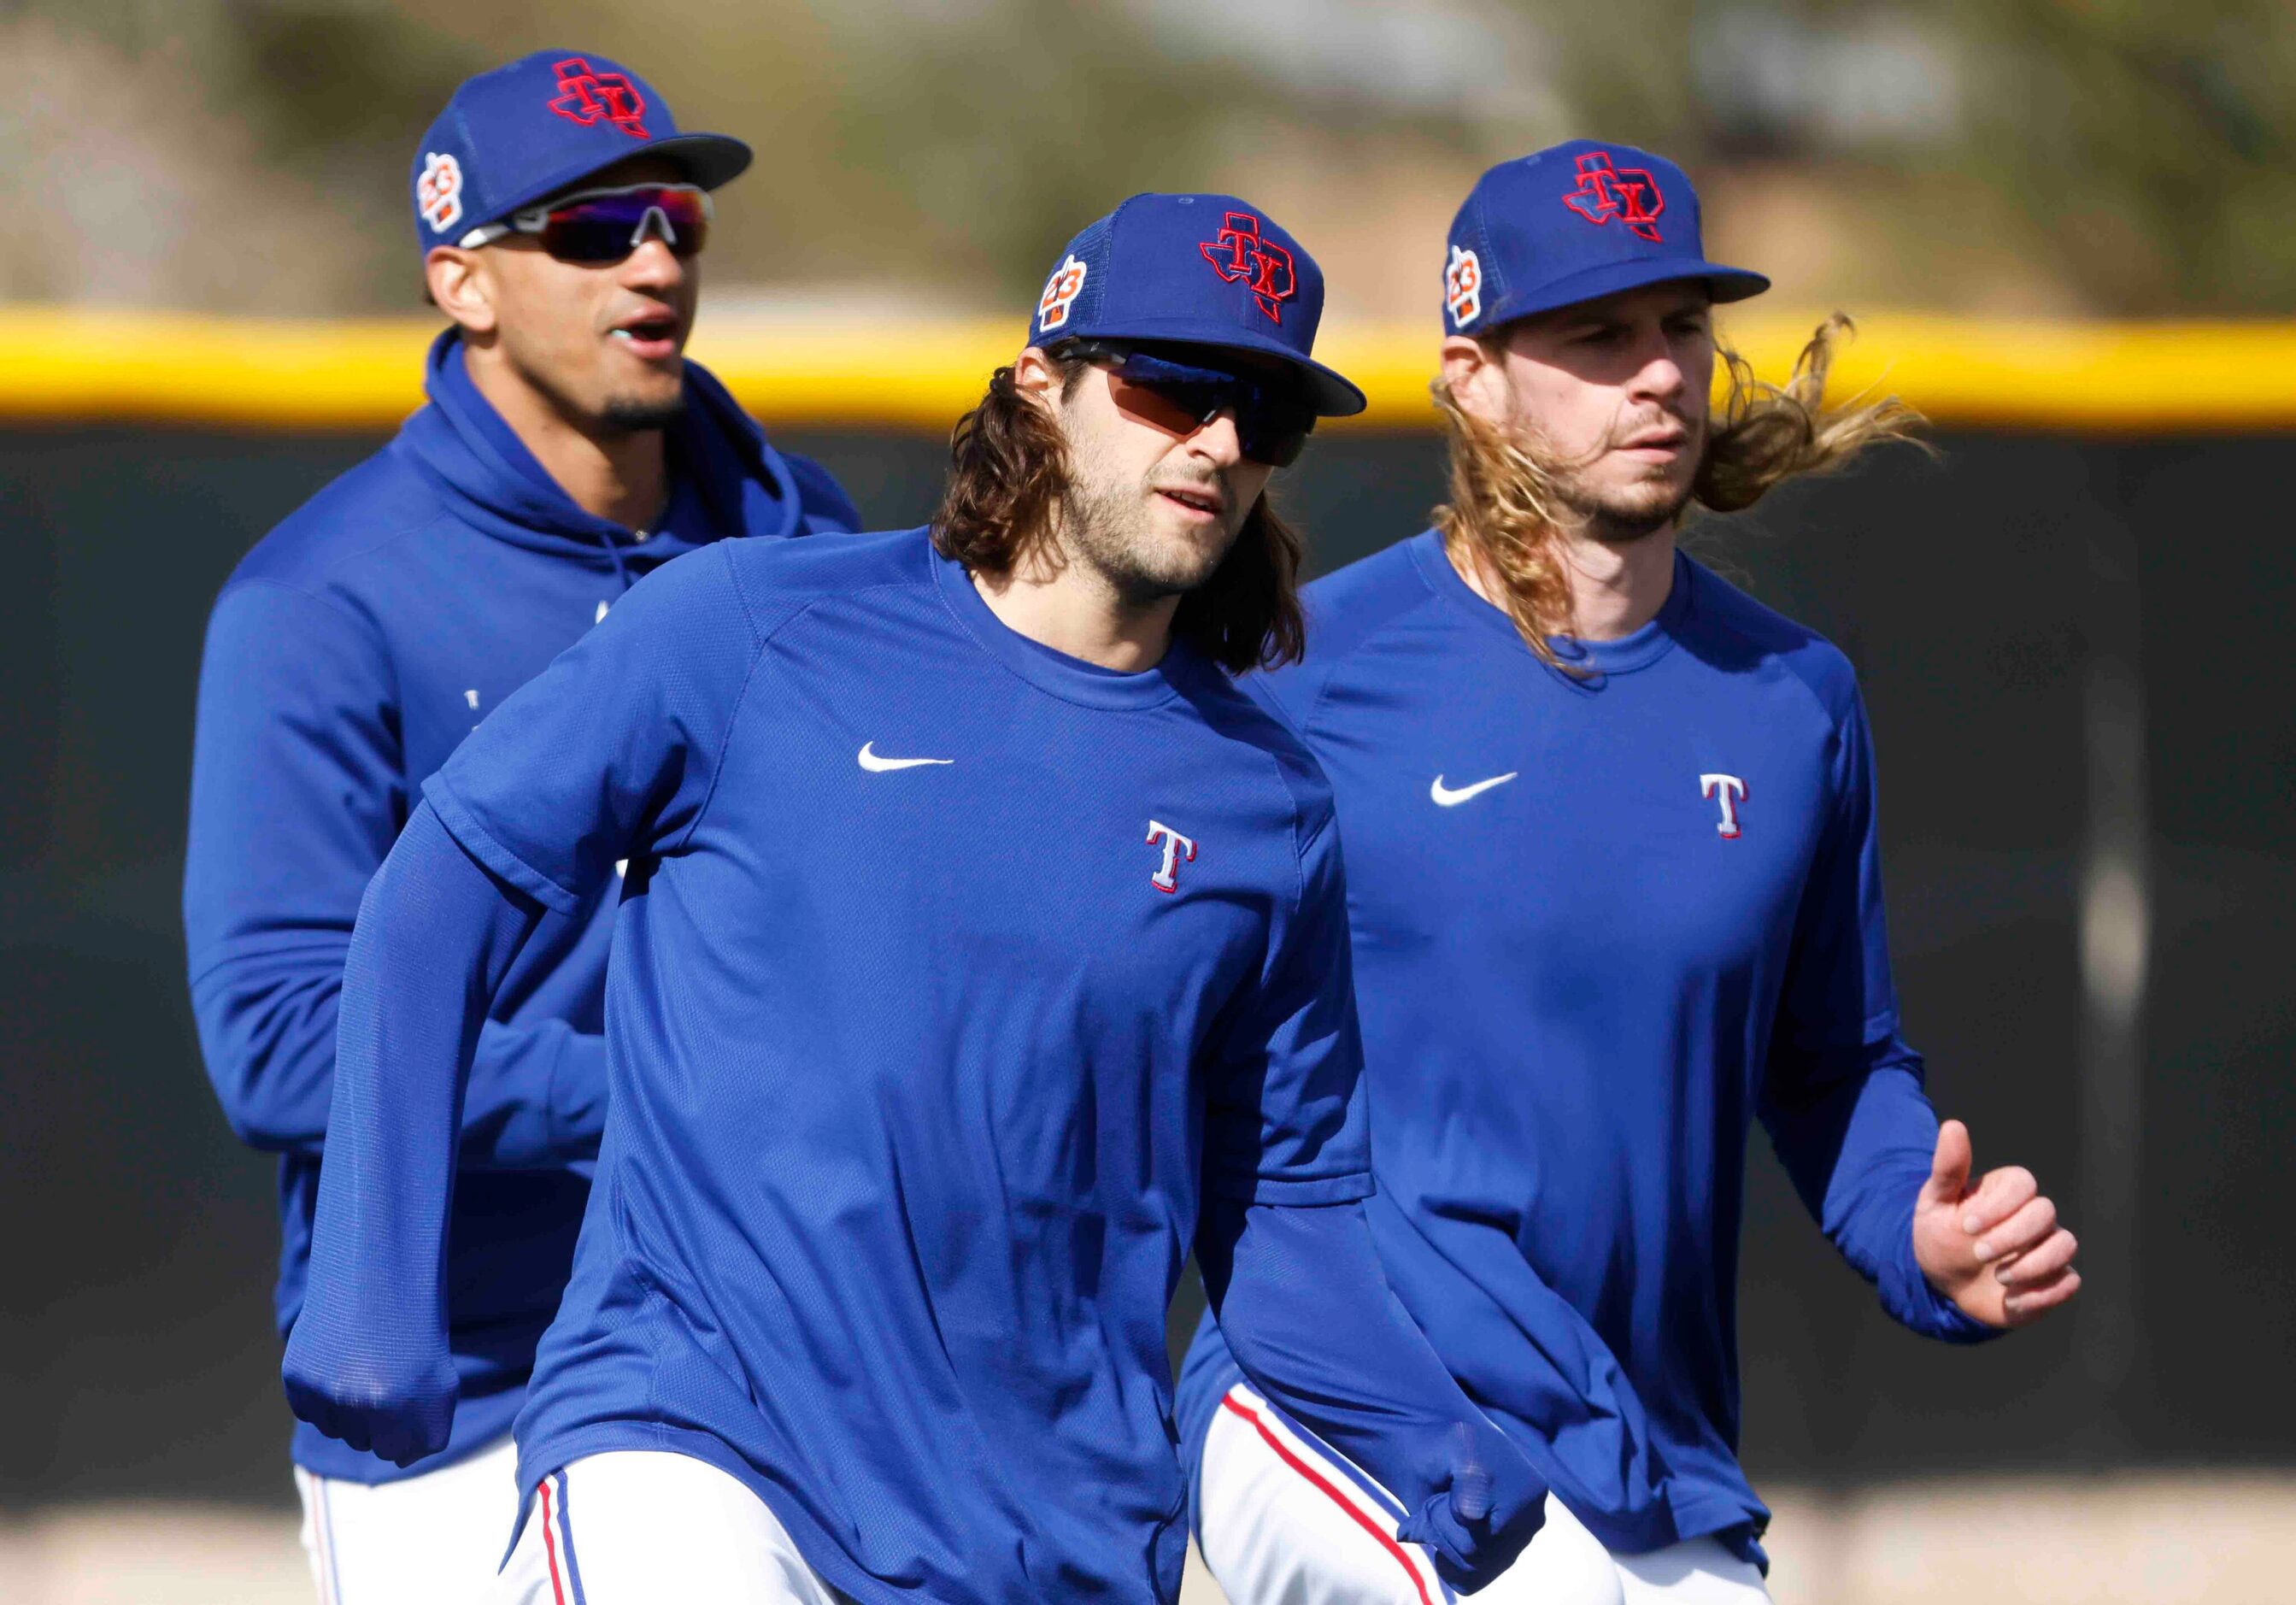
pixel 1995 1249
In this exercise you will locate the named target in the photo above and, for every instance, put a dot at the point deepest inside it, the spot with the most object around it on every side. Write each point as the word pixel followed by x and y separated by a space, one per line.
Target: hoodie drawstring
pixel 614 556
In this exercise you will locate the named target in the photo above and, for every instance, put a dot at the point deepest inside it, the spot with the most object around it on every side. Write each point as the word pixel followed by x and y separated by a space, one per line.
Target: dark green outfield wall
pixel 1977 596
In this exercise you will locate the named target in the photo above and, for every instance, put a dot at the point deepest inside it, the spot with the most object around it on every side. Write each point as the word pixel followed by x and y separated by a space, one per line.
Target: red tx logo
pixel 584 96
pixel 1629 194
pixel 1239 255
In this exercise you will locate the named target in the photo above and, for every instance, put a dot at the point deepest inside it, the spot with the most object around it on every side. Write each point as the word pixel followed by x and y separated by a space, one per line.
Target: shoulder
pixel 824 509
pixel 1353 605
pixel 379 498
pixel 1348 610
pixel 779 580
pixel 1726 617
pixel 321 550
pixel 832 565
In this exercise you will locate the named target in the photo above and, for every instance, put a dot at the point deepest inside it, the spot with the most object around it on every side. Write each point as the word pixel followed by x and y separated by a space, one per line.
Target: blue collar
pixel 723 478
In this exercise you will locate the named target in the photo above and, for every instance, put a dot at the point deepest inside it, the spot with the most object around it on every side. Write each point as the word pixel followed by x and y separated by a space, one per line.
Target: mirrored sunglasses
pixel 1272 420
pixel 597 227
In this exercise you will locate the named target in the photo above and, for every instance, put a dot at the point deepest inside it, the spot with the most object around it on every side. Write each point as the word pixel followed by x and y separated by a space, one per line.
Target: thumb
pixel 1471 1481
pixel 1950 1166
pixel 1471 1493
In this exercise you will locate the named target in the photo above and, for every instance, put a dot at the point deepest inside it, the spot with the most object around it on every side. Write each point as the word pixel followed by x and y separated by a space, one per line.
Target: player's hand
pixel 1493 1507
pixel 1995 1249
pixel 358 1396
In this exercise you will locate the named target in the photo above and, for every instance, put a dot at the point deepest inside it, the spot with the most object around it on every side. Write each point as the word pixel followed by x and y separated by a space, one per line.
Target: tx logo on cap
pixel 1060 292
pixel 439 192
pixel 1629 194
pixel 584 96
pixel 1462 286
pixel 1239 255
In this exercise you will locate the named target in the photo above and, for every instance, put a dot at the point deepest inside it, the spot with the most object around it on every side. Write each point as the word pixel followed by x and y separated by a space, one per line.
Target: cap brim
pixel 1327 393
pixel 1331 395
pixel 1726 283
pixel 707 160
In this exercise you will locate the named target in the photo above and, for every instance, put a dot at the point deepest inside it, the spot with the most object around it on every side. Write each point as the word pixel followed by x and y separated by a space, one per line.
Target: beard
pixel 1621 514
pixel 1110 527
pixel 627 414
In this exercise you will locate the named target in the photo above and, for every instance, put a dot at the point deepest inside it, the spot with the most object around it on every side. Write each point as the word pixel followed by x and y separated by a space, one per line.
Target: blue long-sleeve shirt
pixel 956 985
pixel 1601 926
pixel 347 656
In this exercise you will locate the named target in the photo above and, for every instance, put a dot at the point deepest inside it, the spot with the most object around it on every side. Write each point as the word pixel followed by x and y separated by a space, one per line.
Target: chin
pixel 1168 565
pixel 1626 516
pixel 637 413
pixel 1188 557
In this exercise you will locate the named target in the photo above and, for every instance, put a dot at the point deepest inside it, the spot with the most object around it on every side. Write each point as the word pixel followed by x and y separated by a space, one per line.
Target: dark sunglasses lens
pixel 1176 408
pixel 605 229
pixel 1276 438
pixel 1270 432
pixel 586 240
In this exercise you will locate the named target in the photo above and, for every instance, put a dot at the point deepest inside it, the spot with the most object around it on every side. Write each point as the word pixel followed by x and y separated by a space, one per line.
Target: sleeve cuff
pixel 1940 1318
pixel 499 861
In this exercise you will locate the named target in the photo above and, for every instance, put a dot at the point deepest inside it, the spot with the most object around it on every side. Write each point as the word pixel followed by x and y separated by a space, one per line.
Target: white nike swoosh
pixel 883 766
pixel 1444 798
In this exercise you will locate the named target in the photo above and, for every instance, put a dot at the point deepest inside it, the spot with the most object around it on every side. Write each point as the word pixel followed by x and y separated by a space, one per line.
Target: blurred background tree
pixel 2107 156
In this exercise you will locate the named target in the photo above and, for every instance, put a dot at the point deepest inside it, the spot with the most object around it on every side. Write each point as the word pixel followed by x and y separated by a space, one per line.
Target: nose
pixel 1660 378
pixel 1218 438
pixel 653 266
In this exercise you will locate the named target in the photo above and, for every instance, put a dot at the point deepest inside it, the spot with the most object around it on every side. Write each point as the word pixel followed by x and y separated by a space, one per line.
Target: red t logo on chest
pixel 1729 790
pixel 1178 850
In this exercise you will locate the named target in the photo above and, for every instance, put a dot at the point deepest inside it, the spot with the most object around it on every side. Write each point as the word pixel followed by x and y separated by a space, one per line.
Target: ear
pixel 1037 380
pixel 462 289
pixel 1035 377
pixel 1476 377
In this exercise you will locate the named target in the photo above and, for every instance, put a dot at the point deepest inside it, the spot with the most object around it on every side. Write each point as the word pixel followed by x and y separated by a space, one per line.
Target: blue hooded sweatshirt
pixel 347 656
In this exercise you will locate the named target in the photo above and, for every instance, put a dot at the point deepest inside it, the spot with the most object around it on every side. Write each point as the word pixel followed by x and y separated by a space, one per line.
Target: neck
pixel 1071 608
pixel 1616 587
pixel 618 475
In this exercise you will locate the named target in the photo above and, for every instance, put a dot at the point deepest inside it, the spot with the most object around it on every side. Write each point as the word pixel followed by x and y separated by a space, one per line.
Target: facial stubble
pixel 1622 514
pixel 628 416
pixel 1111 527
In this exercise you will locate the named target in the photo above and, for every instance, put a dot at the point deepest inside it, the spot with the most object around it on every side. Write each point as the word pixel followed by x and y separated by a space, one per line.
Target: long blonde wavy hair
pixel 1508 517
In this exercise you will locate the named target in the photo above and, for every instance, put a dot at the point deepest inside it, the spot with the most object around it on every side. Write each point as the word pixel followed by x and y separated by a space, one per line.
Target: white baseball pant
pixel 1286 1520
pixel 436 1538
pixel 643 1527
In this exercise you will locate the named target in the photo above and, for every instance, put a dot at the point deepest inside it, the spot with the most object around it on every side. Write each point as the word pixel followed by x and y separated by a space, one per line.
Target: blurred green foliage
pixel 2155 143
pixel 2134 155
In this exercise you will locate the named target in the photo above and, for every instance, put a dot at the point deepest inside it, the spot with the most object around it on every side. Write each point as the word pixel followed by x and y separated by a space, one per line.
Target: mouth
pixel 651 337
pixel 1656 440
pixel 1659 440
pixel 1195 503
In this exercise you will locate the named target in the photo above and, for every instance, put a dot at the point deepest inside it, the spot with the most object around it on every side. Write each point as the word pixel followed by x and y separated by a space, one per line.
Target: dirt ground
pixel 2113 1541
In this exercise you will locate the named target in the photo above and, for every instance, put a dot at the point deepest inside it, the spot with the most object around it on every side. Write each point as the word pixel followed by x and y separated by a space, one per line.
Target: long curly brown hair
pixel 1008 478
pixel 1506 510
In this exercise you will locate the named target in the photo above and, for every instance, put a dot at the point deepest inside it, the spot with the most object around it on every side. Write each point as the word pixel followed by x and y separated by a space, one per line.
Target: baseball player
pixel 983 947
pixel 567 449
pixel 1614 896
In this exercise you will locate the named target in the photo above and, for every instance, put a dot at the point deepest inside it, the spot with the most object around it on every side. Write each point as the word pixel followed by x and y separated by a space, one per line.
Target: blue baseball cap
pixel 1201 270
pixel 1569 224
pixel 512 136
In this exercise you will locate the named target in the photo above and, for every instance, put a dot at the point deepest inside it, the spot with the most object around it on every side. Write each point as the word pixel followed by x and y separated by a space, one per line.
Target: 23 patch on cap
pixel 439 192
